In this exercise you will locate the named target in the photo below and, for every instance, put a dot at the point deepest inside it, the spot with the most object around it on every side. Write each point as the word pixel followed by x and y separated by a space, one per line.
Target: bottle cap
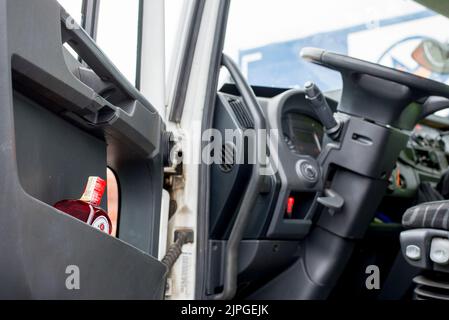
pixel 94 191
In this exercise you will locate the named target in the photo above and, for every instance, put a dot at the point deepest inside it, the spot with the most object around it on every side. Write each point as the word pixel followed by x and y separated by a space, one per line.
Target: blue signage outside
pixel 280 64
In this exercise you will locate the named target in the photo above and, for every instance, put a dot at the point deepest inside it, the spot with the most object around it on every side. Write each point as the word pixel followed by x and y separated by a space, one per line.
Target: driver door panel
pixel 55 132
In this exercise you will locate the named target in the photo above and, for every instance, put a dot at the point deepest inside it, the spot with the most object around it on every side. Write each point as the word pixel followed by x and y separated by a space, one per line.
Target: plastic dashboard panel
pixel 227 186
pixel 267 220
pixel 280 228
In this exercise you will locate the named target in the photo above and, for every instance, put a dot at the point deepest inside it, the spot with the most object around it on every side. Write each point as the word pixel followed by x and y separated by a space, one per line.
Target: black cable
pixel 175 250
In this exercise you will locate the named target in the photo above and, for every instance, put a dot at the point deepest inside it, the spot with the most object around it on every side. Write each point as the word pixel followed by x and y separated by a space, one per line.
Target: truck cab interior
pixel 316 188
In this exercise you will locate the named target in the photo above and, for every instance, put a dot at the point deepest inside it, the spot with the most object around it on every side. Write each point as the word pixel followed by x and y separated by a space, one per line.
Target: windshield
pixel 266 37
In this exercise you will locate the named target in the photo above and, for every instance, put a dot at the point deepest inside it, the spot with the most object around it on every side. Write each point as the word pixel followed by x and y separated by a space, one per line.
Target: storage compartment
pixel 54 158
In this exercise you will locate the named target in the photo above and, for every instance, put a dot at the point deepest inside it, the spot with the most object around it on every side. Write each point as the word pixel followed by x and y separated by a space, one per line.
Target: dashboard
pixel 424 160
pixel 303 134
pixel 285 208
pixel 426 154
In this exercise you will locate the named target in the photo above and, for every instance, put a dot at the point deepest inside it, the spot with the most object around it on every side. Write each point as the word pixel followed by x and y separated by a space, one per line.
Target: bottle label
pixel 102 224
pixel 94 191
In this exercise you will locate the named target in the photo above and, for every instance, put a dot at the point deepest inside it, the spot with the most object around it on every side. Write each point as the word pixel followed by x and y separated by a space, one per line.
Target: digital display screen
pixel 305 133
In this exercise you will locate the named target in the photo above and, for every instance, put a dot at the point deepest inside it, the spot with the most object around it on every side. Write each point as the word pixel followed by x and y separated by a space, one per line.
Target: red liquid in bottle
pixel 87 208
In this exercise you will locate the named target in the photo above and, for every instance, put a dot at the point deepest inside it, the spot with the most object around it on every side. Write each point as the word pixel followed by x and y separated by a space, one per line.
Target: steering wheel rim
pixel 344 63
pixel 380 94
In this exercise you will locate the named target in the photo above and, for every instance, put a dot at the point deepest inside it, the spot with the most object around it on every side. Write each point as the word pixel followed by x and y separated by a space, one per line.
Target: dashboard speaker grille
pixel 241 113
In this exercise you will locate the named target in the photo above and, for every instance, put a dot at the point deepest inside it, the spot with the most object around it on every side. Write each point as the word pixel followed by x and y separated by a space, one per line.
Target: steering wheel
pixel 383 95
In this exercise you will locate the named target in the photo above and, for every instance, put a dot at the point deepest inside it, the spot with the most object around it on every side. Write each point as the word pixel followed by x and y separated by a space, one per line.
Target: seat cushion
pixel 433 215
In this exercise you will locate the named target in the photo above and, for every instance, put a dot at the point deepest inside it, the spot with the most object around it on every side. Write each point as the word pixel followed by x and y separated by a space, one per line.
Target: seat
pixel 425 245
pixel 434 215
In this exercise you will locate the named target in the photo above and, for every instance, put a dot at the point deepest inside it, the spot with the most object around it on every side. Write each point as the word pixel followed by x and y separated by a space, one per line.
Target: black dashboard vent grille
pixel 241 113
pixel 431 289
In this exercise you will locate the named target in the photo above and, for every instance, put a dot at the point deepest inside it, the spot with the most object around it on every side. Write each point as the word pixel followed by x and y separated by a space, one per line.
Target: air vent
pixel 227 157
pixel 241 113
pixel 431 289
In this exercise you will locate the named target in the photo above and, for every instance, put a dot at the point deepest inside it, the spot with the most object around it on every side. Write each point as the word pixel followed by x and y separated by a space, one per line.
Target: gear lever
pixel 322 109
